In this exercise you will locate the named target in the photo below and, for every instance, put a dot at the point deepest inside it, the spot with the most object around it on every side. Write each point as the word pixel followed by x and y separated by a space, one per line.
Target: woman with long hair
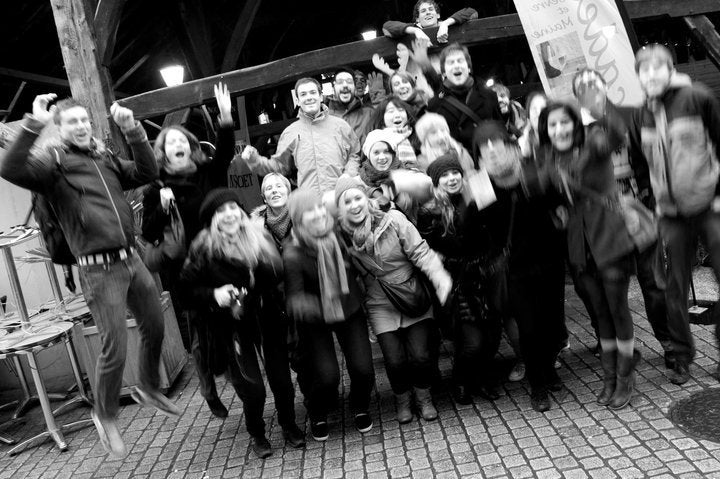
pixel 598 243
pixel 435 139
pixel 323 299
pixel 387 247
pixel 397 117
pixel 231 263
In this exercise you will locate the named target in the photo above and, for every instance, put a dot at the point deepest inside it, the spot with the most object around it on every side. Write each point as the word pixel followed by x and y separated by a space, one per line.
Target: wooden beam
pixel 286 70
pixel 239 35
pixel 44 79
pixel 14 101
pixel 194 29
pixel 89 79
pixel 106 21
pixel 704 30
pixel 131 70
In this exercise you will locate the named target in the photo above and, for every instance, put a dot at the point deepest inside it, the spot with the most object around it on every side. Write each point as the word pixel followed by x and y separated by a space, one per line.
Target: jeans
pixel 408 356
pixel 680 235
pixel 109 291
pixel 320 369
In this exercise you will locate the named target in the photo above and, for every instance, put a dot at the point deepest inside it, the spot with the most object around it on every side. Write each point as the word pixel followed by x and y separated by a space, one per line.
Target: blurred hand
pixel 442 33
pixel 250 154
pixel 420 34
pixel 122 116
pixel 222 97
pixel 375 82
pixel 444 287
pixel 166 195
pixel 40 109
pixel 381 65
pixel 419 51
pixel 225 294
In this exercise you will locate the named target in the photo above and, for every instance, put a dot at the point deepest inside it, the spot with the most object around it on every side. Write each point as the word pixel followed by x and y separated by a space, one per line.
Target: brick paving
pixel 575 439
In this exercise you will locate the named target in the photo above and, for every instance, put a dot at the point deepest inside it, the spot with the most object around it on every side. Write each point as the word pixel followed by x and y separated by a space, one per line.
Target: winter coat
pixel 685 180
pixel 86 190
pixel 398 250
pixel 358 116
pixel 320 149
pixel 189 191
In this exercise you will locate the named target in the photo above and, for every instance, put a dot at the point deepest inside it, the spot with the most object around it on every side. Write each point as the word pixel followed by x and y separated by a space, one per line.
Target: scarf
pixel 278 223
pixel 404 150
pixel 331 270
pixel 372 177
pixel 361 236
pixel 459 91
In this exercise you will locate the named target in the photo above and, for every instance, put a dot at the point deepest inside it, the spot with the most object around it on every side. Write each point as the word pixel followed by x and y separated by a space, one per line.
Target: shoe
pixel 554 383
pixel 363 422
pixel 596 350
pixel 402 405
pixel 155 399
pixel 217 407
pixel 608 361
pixel 670 359
pixel 423 400
pixel 680 374
pixel 488 392
pixel 110 437
pixel 261 446
pixel 294 436
pixel 319 430
pixel 539 400
pixel 517 373
pixel 625 382
pixel 462 395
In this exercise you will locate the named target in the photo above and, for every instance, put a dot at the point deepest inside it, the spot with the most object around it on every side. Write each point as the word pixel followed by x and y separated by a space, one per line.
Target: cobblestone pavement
pixel 575 439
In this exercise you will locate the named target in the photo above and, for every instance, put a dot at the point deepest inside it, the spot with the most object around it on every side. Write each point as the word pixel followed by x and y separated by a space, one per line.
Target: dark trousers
pixel 408 356
pixel 109 291
pixel 320 369
pixel 652 279
pixel 476 342
pixel 680 235
pixel 538 305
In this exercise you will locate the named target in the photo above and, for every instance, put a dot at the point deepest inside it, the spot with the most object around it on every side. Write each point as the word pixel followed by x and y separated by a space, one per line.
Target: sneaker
pixel 517 373
pixel 261 446
pixel 294 436
pixel 319 430
pixel 680 374
pixel 363 422
pixel 155 399
pixel 110 437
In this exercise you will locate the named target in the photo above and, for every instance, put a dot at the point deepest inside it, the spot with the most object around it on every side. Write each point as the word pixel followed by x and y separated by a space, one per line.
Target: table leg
pixel 81 396
pixel 28 399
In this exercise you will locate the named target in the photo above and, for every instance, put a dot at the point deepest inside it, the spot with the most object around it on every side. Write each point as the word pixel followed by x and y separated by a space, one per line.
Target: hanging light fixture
pixel 369 35
pixel 173 75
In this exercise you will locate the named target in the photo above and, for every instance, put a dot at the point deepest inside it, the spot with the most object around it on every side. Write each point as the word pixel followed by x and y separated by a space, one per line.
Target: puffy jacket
pixel 86 190
pixel 320 149
pixel 685 180
pixel 398 249
pixel 359 117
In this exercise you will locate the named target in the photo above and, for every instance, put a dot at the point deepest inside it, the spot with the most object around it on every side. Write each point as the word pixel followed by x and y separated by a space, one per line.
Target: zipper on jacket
pixel 107 190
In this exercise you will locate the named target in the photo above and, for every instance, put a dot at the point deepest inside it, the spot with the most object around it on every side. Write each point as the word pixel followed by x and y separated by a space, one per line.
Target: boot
pixel 402 404
pixel 424 403
pixel 625 380
pixel 608 361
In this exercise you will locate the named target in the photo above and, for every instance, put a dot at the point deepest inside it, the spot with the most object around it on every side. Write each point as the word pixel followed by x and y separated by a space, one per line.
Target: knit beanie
pixel 345 183
pixel 430 122
pixel 214 200
pixel 375 136
pixel 653 51
pixel 300 201
pixel 443 163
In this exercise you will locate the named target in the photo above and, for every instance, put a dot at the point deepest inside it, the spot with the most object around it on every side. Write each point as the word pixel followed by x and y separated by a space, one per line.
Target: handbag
pixel 171 249
pixel 640 222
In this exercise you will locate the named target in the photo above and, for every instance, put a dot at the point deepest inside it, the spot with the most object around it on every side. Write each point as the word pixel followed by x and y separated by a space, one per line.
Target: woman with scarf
pixel 435 139
pixel 396 117
pixel 387 247
pixel 323 298
pixel 231 263
pixel 579 165
pixel 186 176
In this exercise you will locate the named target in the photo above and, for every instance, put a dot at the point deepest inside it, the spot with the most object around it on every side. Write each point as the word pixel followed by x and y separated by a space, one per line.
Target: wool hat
pixel 214 200
pixel 300 201
pixel 443 163
pixel 345 183
pixel 653 51
pixel 389 137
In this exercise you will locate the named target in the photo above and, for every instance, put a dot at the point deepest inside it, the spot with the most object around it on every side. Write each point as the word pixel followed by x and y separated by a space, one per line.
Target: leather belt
pixel 106 257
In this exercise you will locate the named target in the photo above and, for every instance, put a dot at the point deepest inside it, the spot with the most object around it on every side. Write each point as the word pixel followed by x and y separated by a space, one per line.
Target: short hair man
pixel 674 139
pixel 321 147
pixel 85 182
pixel 346 105
pixel 426 14
pixel 512 112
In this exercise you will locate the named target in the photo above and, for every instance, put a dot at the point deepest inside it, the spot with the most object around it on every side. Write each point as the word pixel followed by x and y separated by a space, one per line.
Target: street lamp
pixel 173 75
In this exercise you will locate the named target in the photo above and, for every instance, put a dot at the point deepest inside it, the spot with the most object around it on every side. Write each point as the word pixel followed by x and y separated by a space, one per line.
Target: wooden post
pixel 632 36
pixel 703 29
pixel 90 82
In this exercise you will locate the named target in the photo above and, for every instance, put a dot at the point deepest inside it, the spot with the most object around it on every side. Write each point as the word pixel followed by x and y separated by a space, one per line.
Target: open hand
pixel 122 116
pixel 381 65
pixel 40 109
pixel 222 96
pixel 419 51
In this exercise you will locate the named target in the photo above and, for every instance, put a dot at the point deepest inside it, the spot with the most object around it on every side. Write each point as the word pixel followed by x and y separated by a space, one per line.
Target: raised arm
pixel 144 168
pixel 225 146
pixel 281 162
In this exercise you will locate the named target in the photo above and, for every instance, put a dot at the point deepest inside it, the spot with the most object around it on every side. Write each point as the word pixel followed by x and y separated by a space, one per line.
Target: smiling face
pixel 380 156
pixel 451 182
pixel 456 68
pixel 395 116
pixel 354 206
pixel 503 101
pixel 561 129
pixel 75 127
pixel 309 98
pixel 401 87
pixel 654 75
pixel 275 192
pixel 228 217
pixel 177 149
pixel 315 220
pixel 427 15
pixel 344 86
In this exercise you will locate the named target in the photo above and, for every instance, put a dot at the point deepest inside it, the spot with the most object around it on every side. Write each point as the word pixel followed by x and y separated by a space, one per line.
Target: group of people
pixel 449 213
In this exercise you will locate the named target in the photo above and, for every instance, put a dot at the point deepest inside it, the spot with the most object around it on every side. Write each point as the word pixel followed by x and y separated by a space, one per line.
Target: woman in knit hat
pixel 433 133
pixel 453 226
pixel 231 263
pixel 387 247
pixel 323 298
pixel 397 117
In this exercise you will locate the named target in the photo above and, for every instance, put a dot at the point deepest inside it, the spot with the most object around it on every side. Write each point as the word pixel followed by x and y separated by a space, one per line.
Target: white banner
pixel 568 35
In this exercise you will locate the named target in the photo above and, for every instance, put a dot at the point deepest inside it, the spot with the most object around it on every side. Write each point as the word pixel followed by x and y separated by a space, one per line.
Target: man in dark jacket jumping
pixel 84 183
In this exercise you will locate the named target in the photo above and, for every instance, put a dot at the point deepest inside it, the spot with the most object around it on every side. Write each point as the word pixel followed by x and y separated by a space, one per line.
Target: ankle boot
pixel 424 403
pixel 402 404
pixel 608 360
pixel 625 380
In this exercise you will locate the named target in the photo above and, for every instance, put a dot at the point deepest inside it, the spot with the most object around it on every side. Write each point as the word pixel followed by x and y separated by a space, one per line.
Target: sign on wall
pixel 568 35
